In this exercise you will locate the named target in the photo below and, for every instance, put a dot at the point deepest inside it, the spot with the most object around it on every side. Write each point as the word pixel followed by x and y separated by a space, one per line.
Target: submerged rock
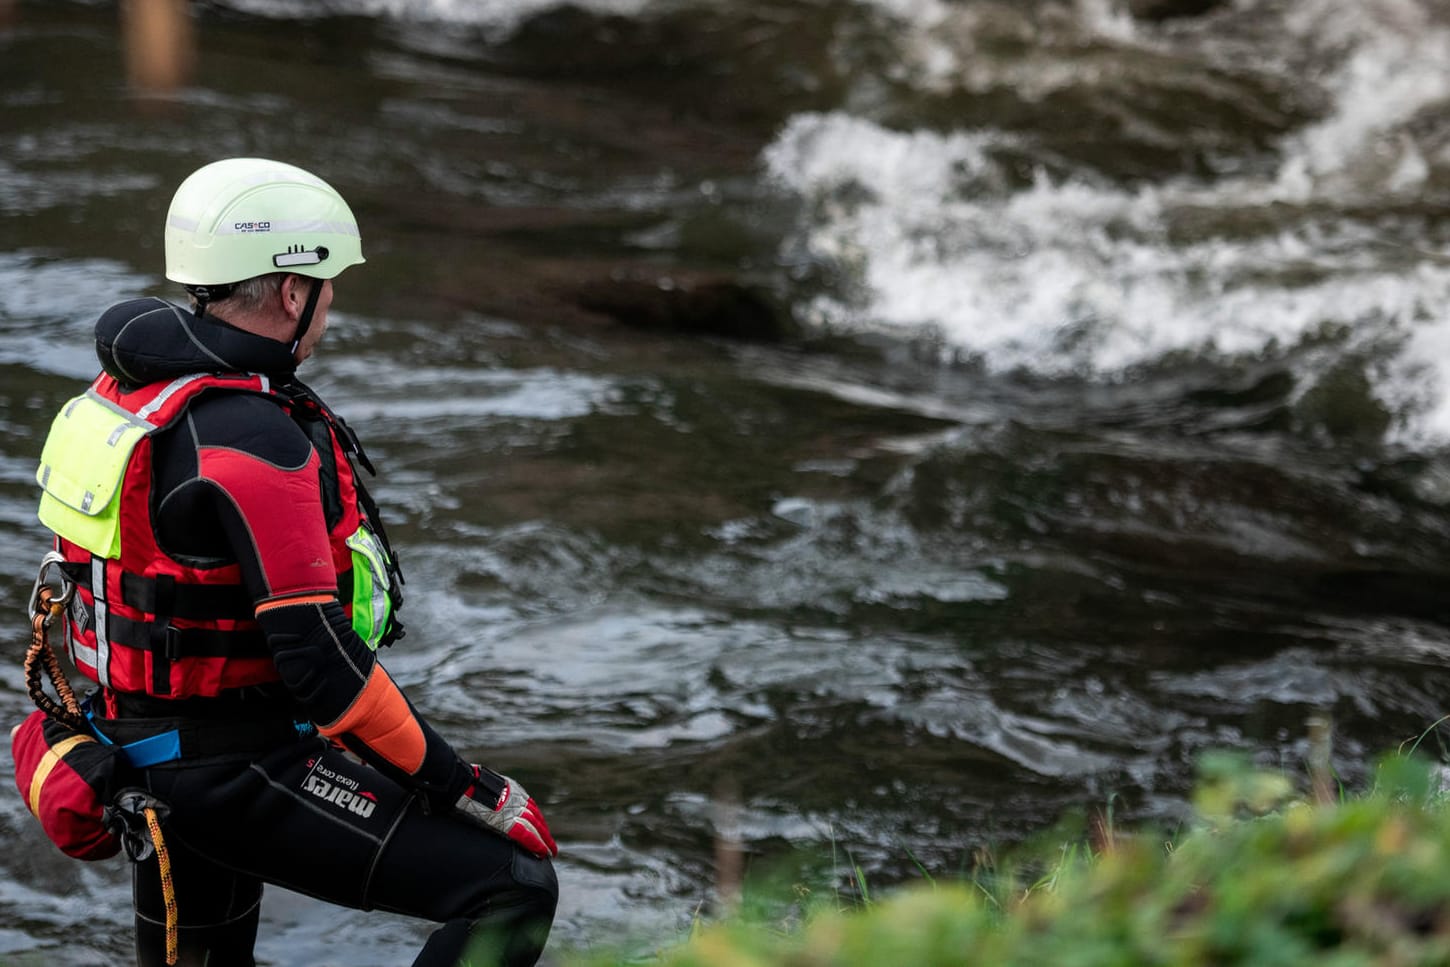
pixel 704 305
pixel 1170 9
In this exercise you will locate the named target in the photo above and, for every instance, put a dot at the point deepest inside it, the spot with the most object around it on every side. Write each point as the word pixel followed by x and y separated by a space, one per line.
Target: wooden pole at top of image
pixel 160 44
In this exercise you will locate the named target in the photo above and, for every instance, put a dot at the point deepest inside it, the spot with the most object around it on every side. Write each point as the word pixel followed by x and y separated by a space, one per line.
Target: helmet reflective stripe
pixel 278 228
pixel 243 217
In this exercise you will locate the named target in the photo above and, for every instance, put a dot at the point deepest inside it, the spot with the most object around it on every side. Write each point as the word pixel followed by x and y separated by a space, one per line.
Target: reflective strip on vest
pixel 81 653
pixel 179 384
pixel 371 606
pixel 172 388
pixel 103 641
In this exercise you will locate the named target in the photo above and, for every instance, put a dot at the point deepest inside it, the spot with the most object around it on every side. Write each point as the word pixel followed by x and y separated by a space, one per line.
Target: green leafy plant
pixel 1265 876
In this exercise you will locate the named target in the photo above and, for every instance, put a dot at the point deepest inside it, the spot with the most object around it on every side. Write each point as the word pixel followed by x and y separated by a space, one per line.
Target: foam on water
pixel 1072 276
pixel 368 389
pixel 1395 69
pixel 494 16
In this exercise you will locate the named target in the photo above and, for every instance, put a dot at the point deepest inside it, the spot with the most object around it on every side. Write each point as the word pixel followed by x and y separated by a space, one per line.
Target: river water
pixel 913 421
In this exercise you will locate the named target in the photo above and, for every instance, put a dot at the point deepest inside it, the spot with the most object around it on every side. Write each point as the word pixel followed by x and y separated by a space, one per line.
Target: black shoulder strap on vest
pixel 305 401
pixel 297 392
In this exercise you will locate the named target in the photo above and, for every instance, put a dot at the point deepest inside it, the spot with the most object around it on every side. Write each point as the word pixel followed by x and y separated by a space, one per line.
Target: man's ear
pixel 292 296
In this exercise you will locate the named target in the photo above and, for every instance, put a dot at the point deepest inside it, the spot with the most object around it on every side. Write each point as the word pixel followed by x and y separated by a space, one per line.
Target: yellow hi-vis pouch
pixel 371 604
pixel 81 468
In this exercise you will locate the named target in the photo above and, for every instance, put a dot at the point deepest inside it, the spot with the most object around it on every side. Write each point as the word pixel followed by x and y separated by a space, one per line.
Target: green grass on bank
pixel 1260 878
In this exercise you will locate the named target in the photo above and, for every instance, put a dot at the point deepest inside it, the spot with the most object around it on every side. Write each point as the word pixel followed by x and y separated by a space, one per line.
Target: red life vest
pixel 144 622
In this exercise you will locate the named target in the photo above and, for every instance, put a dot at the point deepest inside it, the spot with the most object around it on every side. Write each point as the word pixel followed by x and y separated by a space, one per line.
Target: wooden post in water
pixel 729 864
pixel 160 44
pixel 1321 749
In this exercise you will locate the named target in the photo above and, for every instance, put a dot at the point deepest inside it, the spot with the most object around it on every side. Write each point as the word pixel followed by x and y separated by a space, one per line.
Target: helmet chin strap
pixel 304 321
pixel 203 294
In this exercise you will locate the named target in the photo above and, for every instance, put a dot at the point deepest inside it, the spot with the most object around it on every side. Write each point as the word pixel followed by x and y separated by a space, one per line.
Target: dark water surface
pixel 921 420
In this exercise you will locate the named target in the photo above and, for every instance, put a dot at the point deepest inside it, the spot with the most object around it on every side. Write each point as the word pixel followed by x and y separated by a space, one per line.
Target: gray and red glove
pixel 498 803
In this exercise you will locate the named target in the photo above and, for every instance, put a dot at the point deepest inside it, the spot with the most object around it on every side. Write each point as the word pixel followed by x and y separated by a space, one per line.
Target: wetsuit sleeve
pixel 266 493
pixel 351 697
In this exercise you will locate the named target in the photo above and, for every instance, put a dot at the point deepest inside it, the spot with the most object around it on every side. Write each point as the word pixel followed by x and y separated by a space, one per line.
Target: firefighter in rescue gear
pixel 234 582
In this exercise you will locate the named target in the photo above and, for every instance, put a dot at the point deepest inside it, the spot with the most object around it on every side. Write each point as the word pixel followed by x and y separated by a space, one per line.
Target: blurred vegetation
pixel 1262 876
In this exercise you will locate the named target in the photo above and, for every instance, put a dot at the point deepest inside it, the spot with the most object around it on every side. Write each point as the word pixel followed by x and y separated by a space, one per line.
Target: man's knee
pixel 530 902
pixel 514 925
pixel 535 876
pixel 507 927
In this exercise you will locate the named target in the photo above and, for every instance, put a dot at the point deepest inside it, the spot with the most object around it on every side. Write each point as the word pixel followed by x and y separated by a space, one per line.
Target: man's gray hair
pixel 248 295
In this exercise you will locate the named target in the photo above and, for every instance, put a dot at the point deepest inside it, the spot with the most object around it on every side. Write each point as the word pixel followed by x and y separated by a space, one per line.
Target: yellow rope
pixel 41 657
pixel 168 889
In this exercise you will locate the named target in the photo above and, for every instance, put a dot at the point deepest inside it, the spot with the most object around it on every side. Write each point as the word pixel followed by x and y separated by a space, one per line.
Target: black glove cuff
pixel 489 785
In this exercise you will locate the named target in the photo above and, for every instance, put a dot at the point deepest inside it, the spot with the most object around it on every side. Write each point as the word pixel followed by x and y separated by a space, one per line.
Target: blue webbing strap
pixel 154 750
pixel 144 753
pixel 164 746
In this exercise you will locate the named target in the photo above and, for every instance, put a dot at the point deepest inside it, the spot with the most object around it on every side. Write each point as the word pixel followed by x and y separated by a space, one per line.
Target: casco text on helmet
pixel 243 217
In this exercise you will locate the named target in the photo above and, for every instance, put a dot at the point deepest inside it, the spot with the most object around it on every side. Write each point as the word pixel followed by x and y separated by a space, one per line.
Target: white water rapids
pixel 1074 276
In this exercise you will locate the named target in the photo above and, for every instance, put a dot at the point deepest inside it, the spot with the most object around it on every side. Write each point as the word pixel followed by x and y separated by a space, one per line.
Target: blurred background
pixel 917 423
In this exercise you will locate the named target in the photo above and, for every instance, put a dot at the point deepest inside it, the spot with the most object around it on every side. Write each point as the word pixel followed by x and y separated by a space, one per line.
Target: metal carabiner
pixel 67 587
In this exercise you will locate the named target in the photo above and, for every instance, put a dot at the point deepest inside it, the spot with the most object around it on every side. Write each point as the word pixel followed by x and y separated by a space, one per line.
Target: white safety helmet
pixel 243 217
